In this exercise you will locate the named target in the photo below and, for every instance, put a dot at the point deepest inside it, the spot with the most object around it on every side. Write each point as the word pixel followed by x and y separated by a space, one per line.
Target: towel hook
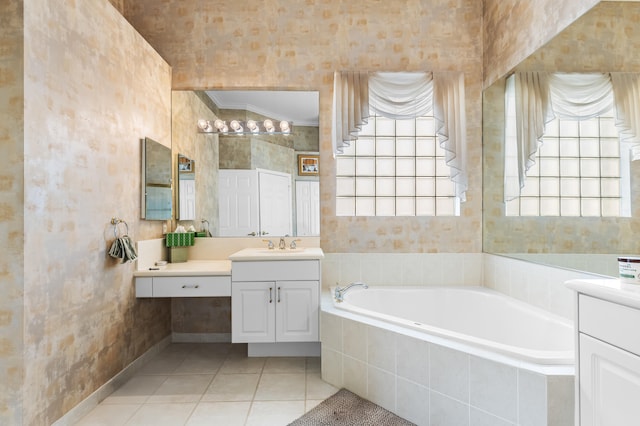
pixel 115 222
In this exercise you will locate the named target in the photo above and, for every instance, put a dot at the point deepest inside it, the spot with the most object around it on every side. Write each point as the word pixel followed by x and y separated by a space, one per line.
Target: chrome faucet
pixel 339 292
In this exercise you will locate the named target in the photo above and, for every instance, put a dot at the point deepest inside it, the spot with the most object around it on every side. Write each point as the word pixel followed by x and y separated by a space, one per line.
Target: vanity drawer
pixel 610 322
pixel 192 286
pixel 277 270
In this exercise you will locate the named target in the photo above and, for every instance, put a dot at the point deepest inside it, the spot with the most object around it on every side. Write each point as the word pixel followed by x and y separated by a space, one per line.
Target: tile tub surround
pixel 428 383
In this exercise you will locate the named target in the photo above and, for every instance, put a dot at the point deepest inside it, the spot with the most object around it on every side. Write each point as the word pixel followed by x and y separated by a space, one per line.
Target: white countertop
pixel 264 254
pixel 188 268
pixel 612 290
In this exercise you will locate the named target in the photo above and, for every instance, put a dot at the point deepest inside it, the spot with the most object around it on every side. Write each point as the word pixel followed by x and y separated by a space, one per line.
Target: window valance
pixel 532 99
pixel 401 96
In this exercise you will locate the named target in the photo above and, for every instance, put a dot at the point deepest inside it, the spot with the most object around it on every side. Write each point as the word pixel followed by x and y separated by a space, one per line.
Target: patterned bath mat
pixel 348 409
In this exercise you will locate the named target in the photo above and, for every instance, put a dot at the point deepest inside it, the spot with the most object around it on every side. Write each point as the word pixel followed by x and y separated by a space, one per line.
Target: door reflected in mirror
pixel 186 189
pixel 156 199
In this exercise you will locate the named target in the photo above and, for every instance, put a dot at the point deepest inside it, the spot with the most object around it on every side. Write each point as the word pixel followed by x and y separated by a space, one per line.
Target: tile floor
pixel 214 384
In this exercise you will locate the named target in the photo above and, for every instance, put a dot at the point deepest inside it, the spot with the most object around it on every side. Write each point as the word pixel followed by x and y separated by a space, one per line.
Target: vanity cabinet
pixel 183 286
pixel 275 301
pixel 608 389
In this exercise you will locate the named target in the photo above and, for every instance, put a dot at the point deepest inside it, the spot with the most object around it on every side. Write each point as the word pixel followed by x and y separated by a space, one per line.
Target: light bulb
pixel 235 126
pixel 203 125
pixel 218 124
pixel 284 127
pixel 268 125
pixel 252 126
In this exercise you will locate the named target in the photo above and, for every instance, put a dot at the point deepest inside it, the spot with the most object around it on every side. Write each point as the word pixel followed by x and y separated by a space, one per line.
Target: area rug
pixel 348 409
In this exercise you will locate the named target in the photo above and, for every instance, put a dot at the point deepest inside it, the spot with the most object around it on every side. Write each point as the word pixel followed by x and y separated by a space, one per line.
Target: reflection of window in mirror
pixel 580 170
pixel 395 168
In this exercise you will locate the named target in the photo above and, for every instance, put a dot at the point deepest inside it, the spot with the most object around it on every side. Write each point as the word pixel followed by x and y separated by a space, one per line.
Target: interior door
pixel 307 208
pixel 187 202
pixel 239 203
pixel 275 203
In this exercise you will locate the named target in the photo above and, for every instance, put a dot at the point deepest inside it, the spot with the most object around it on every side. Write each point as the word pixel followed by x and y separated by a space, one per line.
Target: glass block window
pixel 395 168
pixel 579 171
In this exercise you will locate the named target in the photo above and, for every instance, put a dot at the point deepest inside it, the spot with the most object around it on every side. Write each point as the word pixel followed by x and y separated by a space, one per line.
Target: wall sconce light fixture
pixel 237 127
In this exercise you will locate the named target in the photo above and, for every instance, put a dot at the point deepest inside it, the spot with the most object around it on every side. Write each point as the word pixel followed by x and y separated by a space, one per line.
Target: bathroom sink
pixel 300 253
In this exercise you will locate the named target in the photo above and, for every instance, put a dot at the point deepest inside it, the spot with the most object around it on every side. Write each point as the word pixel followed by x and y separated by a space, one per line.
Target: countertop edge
pixel 612 290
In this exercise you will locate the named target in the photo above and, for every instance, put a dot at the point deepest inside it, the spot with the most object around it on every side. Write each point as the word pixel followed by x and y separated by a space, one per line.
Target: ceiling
pixel 299 107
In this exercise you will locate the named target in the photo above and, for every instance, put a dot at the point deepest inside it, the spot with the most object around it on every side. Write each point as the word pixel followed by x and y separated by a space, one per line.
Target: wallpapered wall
pixel 243 44
pixel 11 208
pixel 514 29
pixel 92 88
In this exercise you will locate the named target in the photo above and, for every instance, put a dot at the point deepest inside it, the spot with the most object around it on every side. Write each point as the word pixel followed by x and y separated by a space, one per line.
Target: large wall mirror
pixel 156 198
pixel 605 39
pixel 227 161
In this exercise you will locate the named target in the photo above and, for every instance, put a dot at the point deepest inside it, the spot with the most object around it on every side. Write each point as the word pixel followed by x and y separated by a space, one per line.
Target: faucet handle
pixel 293 244
pixel 270 244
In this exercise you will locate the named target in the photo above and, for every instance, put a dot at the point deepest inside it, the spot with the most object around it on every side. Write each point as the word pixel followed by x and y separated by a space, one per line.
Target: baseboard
pixel 201 337
pixel 89 403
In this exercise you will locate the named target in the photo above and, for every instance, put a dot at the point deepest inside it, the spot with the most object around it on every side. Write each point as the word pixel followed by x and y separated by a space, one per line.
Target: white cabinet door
pixel 253 307
pixel 307 208
pixel 297 311
pixel 609 385
pixel 239 209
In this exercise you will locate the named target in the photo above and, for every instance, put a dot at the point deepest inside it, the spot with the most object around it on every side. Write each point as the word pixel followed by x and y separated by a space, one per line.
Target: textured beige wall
pixel 600 41
pixel 186 109
pixel 11 207
pixel 297 45
pixel 93 87
pixel 514 29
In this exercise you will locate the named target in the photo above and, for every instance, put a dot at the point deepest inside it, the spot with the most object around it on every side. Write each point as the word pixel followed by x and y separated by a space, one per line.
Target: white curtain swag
pixel 403 96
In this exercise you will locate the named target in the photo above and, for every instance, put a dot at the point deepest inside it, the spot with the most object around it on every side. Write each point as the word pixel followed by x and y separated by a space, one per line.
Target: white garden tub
pixel 477 316
pixel 468 354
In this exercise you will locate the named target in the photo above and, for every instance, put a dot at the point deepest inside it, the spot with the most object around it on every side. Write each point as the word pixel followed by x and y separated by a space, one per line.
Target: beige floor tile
pixel 274 413
pixel 109 415
pixel 186 388
pixel 313 365
pixel 163 363
pixel 220 413
pixel 318 388
pixel 169 414
pixel 285 365
pixel 311 404
pixel 136 391
pixel 199 364
pixel 281 387
pixel 232 387
pixel 242 365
